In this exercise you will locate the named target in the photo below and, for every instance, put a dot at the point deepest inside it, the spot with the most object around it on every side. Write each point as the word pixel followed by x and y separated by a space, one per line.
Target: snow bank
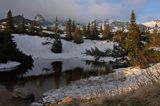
pixel 8 66
pixel 40 47
pixel 123 79
pixel 47 32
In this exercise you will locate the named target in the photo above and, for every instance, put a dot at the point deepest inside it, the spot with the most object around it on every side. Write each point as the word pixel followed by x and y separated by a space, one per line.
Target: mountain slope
pixel 152 23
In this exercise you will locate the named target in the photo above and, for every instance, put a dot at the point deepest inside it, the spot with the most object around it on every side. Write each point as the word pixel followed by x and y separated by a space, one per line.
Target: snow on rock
pixel 8 66
pixel 47 32
pixel 123 79
pixel 40 47
pixel 155 48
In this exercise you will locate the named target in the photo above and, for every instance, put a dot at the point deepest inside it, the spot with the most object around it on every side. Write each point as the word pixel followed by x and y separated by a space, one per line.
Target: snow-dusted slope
pixel 115 83
pixel 37 47
pixel 152 23
pixel 8 66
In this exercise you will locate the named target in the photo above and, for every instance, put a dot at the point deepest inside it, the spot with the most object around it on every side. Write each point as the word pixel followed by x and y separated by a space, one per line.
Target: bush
pixel 96 52
pixel 57 46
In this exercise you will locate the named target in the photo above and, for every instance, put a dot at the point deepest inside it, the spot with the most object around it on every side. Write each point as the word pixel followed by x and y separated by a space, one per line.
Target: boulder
pixel 23 94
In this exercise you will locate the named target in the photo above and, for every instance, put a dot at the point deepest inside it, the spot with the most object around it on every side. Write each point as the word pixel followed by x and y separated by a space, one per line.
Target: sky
pixel 83 10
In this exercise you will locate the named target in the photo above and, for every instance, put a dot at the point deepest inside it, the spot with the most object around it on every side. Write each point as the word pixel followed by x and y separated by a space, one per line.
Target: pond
pixel 46 75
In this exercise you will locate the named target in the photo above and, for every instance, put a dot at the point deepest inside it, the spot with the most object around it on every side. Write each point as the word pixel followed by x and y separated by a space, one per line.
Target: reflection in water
pixel 47 75
pixel 57 67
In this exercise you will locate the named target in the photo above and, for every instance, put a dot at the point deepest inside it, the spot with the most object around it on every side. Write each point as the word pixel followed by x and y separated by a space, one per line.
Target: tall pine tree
pixel 9 23
pixel 133 43
pixel 56 29
pixel 94 30
pixel 107 32
pixel 88 32
pixel 31 28
pixel 77 38
pixel 73 26
pixel 57 45
pixel 84 31
pixel 69 29
pixel 21 25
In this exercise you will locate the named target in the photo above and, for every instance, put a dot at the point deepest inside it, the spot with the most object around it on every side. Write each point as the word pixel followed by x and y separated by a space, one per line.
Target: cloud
pixel 136 2
pixel 81 10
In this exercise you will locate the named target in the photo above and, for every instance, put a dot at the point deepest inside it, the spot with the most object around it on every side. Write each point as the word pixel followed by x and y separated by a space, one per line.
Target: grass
pixel 146 94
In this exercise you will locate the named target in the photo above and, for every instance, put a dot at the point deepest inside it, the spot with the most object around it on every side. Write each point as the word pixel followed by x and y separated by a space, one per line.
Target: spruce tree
pixel 154 37
pixel 68 30
pixel 9 23
pixel 84 30
pixel 94 30
pixel 88 32
pixel 31 28
pixel 101 29
pixel 133 42
pixel 77 38
pixel 21 25
pixel 40 30
pixel 107 32
pixel 73 26
pixel 57 45
pixel 56 29
pixel 120 37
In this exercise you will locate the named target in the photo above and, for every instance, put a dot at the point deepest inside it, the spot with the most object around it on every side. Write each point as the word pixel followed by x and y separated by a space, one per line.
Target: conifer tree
pixel 94 30
pixel 31 28
pixel 107 32
pixel 77 38
pixel 21 25
pixel 120 37
pixel 73 26
pixel 84 30
pixel 9 23
pixel 154 37
pixel 133 37
pixel 68 30
pixel 88 32
pixel 133 42
pixel 57 45
pixel 39 31
pixel 56 29
pixel 101 29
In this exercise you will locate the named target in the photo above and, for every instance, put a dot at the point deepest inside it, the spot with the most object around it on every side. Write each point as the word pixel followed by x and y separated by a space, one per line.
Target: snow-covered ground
pixel 40 47
pixel 8 66
pixel 72 56
pixel 123 79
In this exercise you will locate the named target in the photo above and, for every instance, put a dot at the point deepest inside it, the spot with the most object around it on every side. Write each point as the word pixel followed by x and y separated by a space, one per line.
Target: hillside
pixel 152 23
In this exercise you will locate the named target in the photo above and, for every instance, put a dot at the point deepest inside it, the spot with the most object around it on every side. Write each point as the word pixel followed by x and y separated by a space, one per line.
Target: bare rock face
pixel 22 93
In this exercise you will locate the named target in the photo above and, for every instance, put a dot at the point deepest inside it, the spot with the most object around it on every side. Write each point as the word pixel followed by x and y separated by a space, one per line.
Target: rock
pixel 36 104
pixel 23 94
pixel 67 100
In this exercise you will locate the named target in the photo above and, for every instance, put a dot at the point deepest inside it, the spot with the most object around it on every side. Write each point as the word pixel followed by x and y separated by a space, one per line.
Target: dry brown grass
pixel 147 93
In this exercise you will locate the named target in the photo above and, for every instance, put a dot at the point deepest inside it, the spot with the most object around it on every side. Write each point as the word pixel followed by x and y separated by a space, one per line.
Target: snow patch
pixel 40 47
pixel 8 66
pixel 123 79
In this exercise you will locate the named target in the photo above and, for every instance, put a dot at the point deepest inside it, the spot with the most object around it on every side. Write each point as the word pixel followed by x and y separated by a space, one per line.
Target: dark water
pixel 46 75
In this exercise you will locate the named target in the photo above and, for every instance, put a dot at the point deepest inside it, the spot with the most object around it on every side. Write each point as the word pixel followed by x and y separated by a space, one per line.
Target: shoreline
pixel 93 87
